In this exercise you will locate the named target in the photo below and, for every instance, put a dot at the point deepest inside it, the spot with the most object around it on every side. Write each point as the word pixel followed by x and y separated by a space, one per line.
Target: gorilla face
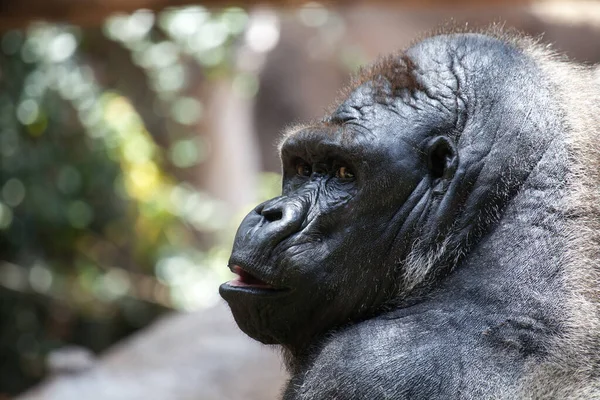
pixel 328 250
pixel 389 191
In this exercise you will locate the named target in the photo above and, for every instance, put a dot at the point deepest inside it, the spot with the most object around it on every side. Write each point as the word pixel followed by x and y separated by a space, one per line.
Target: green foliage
pixel 94 217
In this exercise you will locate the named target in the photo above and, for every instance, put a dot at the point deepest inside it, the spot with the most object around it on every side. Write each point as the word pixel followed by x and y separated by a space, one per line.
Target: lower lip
pixel 261 290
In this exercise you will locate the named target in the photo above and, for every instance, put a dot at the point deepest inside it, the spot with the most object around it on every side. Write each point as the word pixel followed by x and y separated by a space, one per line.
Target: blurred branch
pixel 16 14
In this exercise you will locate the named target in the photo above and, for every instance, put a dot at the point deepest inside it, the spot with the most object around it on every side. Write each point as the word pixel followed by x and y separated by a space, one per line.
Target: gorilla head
pixel 430 191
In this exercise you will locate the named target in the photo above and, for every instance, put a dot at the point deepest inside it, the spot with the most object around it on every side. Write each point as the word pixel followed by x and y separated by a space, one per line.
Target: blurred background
pixel 133 139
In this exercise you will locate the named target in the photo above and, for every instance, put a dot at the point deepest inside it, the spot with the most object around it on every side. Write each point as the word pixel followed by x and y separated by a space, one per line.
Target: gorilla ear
pixel 442 161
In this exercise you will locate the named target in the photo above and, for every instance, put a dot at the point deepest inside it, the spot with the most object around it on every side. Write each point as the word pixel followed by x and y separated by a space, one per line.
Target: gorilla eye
pixel 344 173
pixel 303 169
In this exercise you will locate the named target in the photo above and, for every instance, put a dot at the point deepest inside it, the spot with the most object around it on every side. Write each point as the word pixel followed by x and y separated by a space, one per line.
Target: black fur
pixel 450 264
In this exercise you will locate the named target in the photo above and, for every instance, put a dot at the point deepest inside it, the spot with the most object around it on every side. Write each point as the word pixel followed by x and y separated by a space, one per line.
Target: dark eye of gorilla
pixel 344 173
pixel 464 263
pixel 303 169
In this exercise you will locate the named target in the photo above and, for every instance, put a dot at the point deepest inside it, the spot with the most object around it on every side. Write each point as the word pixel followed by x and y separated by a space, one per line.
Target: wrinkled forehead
pixel 388 78
pixel 427 89
pixel 411 85
pixel 365 106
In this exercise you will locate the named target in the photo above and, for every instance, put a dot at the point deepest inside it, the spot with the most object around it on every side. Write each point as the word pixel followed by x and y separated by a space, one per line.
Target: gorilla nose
pixel 273 221
pixel 271 214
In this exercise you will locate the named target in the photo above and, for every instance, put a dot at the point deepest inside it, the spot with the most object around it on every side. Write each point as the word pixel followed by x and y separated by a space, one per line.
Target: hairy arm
pixel 430 355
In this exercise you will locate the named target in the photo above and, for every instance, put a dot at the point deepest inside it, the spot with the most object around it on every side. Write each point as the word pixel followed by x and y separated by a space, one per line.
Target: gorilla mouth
pixel 247 280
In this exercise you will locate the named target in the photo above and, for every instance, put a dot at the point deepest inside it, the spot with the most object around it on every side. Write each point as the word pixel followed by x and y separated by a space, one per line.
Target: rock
pixel 201 355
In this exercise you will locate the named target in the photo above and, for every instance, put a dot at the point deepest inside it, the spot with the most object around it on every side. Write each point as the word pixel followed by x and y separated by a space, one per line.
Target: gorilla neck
pixel 512 281
pixel 520 263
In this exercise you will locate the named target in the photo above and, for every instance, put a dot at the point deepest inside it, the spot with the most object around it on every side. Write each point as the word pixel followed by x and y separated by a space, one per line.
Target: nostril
pixel 272 215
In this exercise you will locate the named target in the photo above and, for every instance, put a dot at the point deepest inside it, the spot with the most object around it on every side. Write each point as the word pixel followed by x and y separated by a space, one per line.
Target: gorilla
pixel 438 232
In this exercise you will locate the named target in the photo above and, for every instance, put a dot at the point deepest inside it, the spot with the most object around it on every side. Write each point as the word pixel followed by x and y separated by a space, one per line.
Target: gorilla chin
pixel 437 235
pixel 247 293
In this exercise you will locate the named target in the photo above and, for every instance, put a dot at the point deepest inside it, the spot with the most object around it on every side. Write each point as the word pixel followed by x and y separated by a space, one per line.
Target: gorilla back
pixel 438 233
